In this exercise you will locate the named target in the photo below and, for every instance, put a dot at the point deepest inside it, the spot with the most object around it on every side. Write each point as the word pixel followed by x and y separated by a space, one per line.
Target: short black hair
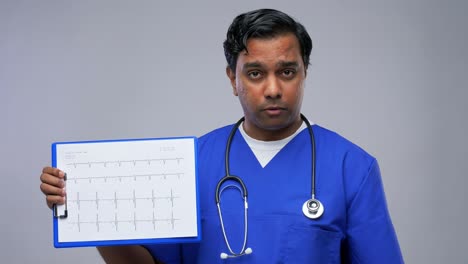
pixel 263 24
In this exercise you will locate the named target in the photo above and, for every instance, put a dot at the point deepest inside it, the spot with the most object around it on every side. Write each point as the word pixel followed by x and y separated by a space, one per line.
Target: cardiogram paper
pixel 126 190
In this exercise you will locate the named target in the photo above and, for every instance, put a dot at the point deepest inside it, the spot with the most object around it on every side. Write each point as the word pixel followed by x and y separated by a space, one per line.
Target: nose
pixel 273 88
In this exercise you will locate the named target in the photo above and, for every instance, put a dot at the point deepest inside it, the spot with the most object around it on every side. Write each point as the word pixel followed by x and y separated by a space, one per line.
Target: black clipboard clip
pixel 55 209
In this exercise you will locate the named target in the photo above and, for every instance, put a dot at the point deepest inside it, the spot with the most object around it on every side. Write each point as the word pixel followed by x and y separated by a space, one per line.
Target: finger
pixel 48 189
pixel 52 180
pixel 53 171
pixel 54 199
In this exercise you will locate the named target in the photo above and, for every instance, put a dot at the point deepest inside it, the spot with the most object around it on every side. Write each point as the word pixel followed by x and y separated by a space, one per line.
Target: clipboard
pixel 127 191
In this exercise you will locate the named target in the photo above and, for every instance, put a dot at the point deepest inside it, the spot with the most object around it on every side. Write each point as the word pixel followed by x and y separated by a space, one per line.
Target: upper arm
pixel 370 234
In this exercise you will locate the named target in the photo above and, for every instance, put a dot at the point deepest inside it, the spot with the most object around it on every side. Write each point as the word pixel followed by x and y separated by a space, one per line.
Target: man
pixel 268 55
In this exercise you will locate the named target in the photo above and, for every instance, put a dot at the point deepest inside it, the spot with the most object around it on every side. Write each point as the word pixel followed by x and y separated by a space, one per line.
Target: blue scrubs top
pixel 355 227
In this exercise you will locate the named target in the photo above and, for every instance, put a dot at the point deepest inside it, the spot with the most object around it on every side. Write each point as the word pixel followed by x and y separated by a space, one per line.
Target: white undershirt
pixel 265 151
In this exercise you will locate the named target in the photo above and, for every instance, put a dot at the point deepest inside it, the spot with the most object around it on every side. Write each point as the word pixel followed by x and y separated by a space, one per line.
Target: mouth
pixel 274 110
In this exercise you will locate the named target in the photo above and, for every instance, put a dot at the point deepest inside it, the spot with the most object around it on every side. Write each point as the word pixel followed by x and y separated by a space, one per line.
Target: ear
pixel 232 78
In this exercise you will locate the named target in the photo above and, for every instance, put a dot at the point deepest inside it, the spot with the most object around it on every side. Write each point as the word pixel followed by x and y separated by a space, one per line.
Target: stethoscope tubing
pixel 313 155
pixel 228 176
pixel 245 224
pixel 312 208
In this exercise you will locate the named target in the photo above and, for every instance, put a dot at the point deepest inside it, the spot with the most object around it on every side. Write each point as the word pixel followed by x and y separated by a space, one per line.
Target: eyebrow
pixel 287 64
pixel 280 64
pixel 254 64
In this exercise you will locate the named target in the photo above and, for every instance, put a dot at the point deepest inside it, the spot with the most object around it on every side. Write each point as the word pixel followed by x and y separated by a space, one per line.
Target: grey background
pixel 388 75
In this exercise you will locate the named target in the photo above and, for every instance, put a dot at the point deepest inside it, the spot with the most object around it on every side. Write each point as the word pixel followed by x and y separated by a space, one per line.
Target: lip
pixel 274 110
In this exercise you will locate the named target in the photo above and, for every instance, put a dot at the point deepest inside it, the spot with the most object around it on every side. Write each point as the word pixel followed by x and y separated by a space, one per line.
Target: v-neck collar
pixel 266 151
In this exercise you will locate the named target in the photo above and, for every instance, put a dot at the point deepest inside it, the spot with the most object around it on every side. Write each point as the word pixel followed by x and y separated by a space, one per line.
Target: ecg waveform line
pixel 134 176
pixel 116 221
pixel 115 199
pixel 120 162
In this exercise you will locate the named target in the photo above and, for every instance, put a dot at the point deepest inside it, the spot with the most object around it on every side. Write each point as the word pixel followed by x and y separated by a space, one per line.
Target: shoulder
pixel 351 163
pixel 221 131
pixel 214 140
pixel 370 232
pixel 334 139
pixel 334 143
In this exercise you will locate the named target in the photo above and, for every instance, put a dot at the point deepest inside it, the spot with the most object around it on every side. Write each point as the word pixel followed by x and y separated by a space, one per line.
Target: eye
pixel 288 73
pixel 254 75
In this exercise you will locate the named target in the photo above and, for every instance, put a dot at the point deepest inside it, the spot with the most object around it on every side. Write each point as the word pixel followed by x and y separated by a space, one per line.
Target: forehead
pixel 270 51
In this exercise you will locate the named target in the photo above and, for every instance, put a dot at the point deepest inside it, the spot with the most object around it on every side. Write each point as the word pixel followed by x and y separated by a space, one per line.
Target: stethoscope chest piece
pixel 313 208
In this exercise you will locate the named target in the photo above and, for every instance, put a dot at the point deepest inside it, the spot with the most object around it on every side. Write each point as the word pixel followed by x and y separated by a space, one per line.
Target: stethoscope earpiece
pixel 313 208
pixel 247 251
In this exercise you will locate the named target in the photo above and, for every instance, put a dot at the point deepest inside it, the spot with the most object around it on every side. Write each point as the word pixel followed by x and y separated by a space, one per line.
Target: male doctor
pixel 267 53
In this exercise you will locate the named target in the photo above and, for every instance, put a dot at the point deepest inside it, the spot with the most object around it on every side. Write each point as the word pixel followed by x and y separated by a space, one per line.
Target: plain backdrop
pixel 390 76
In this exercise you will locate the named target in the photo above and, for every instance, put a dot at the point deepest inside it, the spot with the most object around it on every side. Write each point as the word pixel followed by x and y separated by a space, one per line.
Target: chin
pixel 275 125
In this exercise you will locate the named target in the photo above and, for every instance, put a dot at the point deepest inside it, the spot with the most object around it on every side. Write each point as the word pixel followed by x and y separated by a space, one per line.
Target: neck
pixel 265 134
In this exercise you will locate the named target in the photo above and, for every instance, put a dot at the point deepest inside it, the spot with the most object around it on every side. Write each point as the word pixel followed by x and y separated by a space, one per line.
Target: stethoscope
pixel 311 208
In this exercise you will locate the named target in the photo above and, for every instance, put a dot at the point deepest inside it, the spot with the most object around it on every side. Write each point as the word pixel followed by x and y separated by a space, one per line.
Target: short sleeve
pixel 371 236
